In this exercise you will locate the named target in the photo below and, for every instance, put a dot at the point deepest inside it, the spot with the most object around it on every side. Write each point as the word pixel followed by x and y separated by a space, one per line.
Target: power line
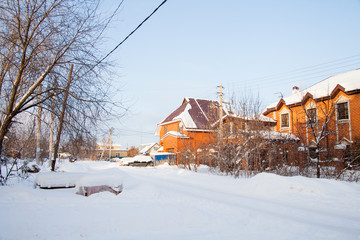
pixel 309 72
pixel 311 68
pixel 126 38
pixel 131 33
pixel 135 131
pixel 304 76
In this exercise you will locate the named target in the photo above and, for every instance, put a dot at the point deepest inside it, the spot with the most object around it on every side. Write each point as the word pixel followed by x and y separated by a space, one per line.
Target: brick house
pixel 193 126
pixel 329 107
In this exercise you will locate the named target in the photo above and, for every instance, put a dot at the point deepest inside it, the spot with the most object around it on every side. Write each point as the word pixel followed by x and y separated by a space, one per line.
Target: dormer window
pixel 285 120
pixel 342 111
pixel 312 116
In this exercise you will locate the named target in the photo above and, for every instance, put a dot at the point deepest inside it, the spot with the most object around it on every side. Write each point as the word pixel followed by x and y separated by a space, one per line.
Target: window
pixel 117 155
pixel 311 115
pixel 166 129
pixel 342 111
pixel 284 120
pixel 179 128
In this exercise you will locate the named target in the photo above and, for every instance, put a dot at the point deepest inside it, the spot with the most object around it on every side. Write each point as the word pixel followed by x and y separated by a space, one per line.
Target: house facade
pixel 193 129
pixel 190 126
pixel 109 152
pixel 326 112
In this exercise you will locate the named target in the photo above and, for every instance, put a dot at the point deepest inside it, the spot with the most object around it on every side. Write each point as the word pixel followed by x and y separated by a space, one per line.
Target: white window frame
pixel 285 111
pixel 342 100
pixel 308 107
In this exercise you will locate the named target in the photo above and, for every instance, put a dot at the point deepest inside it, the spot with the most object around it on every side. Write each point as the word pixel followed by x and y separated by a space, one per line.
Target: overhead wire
pixel 311 68
pixel 131 33
pixel 311 75
pixel 304 73
pixel 126 38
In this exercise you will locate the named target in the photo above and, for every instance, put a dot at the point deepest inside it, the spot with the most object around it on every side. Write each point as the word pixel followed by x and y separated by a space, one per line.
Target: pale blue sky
pixel 191 46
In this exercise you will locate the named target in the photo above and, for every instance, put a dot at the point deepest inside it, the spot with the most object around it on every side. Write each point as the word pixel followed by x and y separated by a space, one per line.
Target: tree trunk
pixel 318 163
pixel 51 137
pixel 38 130
pixel 61 120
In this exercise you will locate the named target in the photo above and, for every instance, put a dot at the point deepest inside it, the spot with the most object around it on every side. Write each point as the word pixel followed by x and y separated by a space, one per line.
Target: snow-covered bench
pixel 86 184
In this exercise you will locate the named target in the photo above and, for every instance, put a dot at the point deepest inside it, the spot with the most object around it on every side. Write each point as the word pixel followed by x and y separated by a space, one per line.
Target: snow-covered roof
pixel 175 134
pixel 272 135
pixel 195 114
pixel 349 81
pixel 201 114
pixel 260 117
pixel 147 147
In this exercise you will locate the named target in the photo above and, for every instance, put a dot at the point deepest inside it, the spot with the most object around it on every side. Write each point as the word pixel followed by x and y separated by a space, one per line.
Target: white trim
pixel 350 132
pixel 285 111
pixel 197 130
pixel 201 109
pixel 310 105
pixel 342 99
pixel 175 134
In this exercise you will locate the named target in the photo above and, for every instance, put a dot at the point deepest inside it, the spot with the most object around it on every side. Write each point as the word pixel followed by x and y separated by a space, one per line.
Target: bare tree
pixel 133 151
pixel 315 126
pixel 37 41
pixel 80 146
pixel 244 136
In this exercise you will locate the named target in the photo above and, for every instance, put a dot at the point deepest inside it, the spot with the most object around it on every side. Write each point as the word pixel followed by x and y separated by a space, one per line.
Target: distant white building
pixel 107 152
pixel 147 149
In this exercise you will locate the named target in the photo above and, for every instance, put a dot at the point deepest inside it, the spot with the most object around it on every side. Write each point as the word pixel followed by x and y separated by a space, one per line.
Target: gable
pixel 195 114
pixel 175 113
pixel 307 97
pixel 336 90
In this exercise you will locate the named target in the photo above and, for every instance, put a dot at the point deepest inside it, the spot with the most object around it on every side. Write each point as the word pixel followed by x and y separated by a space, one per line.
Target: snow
pixel 340 146
pixel 175 134
pixel 167 202
pixel 271 135
pixel 186 118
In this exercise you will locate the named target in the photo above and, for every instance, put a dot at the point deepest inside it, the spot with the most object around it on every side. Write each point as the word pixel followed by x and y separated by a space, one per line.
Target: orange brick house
pixel 328 111
pixel 190 125
pixel 193 126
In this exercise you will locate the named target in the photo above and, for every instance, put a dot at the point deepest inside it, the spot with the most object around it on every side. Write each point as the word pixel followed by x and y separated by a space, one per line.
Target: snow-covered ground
pixel 172 203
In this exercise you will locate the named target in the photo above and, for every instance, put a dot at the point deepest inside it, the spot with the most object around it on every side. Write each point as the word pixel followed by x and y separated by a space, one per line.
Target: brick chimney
pixel 295 89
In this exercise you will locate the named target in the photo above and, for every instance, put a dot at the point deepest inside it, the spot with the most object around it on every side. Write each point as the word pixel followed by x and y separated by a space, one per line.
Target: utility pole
pixel 221 88
pixel 110 140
